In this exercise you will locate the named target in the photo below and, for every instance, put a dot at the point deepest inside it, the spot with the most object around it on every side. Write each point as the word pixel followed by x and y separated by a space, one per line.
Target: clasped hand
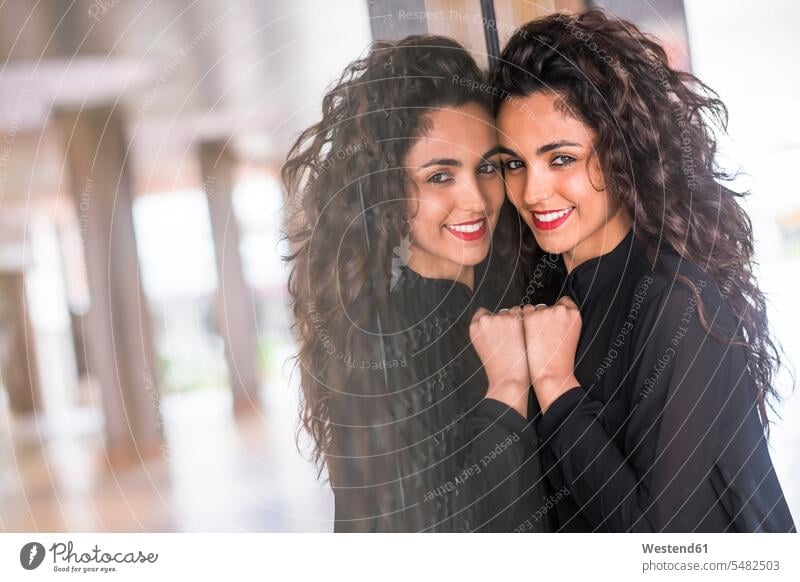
pixel 528 346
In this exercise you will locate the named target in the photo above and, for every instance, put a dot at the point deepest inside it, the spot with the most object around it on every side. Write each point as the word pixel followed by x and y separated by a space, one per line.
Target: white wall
pixel 748 52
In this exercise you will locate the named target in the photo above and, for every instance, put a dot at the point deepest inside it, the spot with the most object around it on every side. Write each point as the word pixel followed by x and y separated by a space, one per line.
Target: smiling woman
pixel 611 163
pixel 390 244
pixel 456 193
pixel 553 177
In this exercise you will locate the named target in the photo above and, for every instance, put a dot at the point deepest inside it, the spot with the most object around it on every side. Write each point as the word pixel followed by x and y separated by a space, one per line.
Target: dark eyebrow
pixel 554 146
pixel 441 162
pixel 498 149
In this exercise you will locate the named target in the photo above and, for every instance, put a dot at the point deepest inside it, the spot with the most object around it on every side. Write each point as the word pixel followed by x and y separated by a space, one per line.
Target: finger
pixel 480 313
pixel 478 318
pixel 531 318
pixel 515 315
pixel 528 314
pixel 567 301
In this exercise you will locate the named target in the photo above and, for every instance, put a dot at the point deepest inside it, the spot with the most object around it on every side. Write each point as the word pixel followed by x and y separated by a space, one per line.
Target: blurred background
pixel 145 346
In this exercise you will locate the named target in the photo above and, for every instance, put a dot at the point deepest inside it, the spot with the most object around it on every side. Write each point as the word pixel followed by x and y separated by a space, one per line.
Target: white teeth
pixel 466 227
pixel 551 216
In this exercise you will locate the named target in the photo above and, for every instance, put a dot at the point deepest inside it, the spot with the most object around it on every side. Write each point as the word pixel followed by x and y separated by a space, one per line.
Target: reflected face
pixel 455 193
pixel 554 179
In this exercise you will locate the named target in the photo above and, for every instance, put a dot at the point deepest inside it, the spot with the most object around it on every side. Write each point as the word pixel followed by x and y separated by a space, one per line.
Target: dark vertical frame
pixel 490 32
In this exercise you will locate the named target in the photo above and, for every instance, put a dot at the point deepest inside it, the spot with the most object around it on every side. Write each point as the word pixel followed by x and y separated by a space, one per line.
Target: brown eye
pixel 440 178
pixel 562 160
pixel 512 165
pixel 487 168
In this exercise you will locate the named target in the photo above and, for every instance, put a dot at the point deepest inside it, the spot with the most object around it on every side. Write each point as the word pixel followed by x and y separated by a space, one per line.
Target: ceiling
pixel 181 71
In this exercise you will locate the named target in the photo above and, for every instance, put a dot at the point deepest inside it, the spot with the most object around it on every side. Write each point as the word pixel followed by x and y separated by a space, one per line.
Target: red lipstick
pixel 468 231
pixel 551 222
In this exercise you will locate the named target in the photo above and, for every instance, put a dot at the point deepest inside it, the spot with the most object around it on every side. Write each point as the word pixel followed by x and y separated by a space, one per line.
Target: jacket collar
pixel 592 277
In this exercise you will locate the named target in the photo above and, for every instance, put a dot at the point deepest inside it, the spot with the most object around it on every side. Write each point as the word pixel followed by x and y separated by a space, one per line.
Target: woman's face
pixel 554 179
pixel 455 193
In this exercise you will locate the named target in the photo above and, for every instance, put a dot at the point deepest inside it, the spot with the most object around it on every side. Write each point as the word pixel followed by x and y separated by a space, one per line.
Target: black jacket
pixel 417 446
pixel 663 433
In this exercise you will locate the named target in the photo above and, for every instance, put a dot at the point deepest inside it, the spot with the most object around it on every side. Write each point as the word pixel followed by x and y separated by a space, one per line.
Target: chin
pixel 469 257
pixel 551 246
pixel 555 242
pixel 469 262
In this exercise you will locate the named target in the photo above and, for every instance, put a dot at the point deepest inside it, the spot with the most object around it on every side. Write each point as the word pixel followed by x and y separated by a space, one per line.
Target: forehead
pixel 464 131
pixel 539 118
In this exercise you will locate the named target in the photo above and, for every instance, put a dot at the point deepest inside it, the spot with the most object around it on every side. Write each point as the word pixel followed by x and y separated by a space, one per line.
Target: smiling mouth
pixel 552 218
pixel 469 231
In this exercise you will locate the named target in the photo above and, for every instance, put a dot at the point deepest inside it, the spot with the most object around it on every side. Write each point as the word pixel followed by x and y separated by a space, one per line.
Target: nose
pixel 471 197
pixel 537 188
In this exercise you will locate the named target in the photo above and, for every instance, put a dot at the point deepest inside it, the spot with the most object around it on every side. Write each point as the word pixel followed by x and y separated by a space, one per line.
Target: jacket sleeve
pixel 691 440
pixel 475 480
pixel 411 458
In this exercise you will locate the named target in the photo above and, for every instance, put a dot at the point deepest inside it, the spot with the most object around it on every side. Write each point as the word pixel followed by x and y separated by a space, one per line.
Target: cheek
pixel 495 195
pixel 594 209
pixel 578 190
pixel 427 219
pixel 515 189
pixel 585 190
pixel 514 186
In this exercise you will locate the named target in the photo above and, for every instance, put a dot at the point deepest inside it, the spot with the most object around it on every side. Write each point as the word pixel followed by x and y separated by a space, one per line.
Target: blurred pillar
pixel 117 327
pixel 18 371
pixel 392 20
pixel 235 313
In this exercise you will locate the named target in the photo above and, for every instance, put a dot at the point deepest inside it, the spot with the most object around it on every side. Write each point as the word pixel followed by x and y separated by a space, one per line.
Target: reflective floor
pixel 216 474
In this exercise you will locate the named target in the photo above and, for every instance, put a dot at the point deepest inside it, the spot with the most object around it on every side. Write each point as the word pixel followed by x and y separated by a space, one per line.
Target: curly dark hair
pixel 656 147
pixel 353 159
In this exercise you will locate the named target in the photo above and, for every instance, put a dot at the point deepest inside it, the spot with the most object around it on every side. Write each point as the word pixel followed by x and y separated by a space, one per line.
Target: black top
pixel 422 449
pixel 663 434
